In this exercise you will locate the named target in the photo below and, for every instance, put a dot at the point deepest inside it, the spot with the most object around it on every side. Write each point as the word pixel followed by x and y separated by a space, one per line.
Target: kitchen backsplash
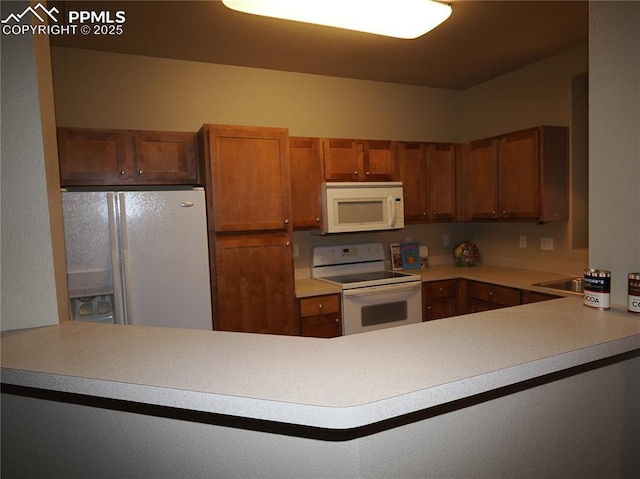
pixel 499 244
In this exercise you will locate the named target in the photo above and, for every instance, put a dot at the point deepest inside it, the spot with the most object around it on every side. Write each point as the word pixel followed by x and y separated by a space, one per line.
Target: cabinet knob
pixel 317 220
pixel 429 308
pixel 355 173
pixel 320 306
pixel 140 172
pixel 490 293
pixel 337 320
pixel 504 212
pixel 286 222
pixel 122 172
pixel 493 212
pixel 424 213
pixel 287 244
pixel 367 173
pixel 441 289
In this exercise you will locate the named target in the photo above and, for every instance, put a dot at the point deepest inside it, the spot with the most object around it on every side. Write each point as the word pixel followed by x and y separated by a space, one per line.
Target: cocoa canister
pixel 633 297
pixel 597 288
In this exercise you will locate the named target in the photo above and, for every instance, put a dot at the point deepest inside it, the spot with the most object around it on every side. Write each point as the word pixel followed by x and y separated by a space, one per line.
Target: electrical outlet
pixel 523 241
pixel 296 251
pixel 445 240
pixel 546 244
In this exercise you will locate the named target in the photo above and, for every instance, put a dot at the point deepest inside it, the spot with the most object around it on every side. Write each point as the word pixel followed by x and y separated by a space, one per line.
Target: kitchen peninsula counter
pixel 391 373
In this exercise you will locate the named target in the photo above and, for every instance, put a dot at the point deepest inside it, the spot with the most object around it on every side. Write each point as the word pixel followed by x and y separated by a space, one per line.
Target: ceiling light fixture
pixel 394 18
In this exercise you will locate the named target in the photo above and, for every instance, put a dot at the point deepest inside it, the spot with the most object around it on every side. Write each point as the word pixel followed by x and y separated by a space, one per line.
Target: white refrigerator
pixel 138 257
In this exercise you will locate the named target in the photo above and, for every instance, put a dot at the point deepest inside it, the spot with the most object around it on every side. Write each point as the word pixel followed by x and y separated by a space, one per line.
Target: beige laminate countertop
pixel 513 277
pixel 338 383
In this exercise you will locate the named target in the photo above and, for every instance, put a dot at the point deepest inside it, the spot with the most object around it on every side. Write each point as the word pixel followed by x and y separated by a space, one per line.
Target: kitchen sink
pixel 566 284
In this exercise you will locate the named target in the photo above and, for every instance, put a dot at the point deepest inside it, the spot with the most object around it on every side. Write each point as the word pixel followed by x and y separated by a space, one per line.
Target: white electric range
pixel 373 297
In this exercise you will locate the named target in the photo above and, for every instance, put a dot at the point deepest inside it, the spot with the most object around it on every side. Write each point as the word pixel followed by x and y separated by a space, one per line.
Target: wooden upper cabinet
pixel 247 177
pixel 357 160
pixel 167 156
pixel 480 179
pixel 90 157
pixel 518 176
pixel 305 160
pixel 428 175
pixel 441 181
pixel 411 171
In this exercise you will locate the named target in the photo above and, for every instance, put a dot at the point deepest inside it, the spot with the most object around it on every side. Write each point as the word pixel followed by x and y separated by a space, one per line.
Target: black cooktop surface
pixel 372 276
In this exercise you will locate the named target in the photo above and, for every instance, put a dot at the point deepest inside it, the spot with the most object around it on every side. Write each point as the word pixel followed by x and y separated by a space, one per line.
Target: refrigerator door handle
pixel 117 260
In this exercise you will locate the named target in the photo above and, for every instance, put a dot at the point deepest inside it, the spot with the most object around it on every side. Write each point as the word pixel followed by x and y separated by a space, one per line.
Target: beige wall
pixel 614 142
pixel 33 279
pixel 108 90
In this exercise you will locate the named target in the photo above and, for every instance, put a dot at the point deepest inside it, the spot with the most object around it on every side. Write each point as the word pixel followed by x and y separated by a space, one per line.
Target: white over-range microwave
pixel 362 206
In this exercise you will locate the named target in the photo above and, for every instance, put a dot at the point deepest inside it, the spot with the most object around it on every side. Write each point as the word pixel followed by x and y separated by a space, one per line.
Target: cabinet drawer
pixel 320 305
pixel 492 293
pixel 440 289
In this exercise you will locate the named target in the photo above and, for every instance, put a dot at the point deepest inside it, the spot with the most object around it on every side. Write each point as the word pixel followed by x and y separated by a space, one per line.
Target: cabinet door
pixel 378 161
pixel 441 178
pixel 439 299
pixel 94 157
pixel 248 173
pixel 255 285
pixel 357 160
pixel 342 159
pixel 519 175
pixel 305 159
pixel 480 179
pixel 166 157
pixel 411 168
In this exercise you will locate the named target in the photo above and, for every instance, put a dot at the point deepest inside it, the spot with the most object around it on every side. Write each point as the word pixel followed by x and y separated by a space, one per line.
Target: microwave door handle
pixel 391 211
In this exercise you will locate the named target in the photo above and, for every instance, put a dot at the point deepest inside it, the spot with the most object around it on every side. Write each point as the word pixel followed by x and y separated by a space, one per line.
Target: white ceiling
pixel 480 41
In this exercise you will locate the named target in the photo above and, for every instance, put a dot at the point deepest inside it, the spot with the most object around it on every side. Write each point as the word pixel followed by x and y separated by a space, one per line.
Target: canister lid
pixel 597 273
pixel 634 276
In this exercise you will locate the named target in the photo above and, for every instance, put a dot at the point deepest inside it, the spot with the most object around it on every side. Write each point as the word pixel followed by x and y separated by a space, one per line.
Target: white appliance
pixel 362 206
pixel 372 296
pixel 144 253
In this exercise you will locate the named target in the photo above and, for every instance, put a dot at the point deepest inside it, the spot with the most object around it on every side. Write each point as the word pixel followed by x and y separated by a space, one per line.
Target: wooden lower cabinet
pixel 536 297
pixel 320 316
pixel 486 296
pixel 439 299
pixel 255 285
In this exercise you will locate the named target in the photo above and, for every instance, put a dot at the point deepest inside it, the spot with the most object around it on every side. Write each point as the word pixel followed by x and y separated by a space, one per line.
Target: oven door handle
pixel 382 289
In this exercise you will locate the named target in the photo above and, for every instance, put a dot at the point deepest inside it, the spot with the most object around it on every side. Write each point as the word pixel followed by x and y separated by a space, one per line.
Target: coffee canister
pixel 633 297
pixel 597 288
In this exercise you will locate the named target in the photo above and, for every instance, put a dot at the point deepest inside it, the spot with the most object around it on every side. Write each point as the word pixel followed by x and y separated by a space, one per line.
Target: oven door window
pixel 384 313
